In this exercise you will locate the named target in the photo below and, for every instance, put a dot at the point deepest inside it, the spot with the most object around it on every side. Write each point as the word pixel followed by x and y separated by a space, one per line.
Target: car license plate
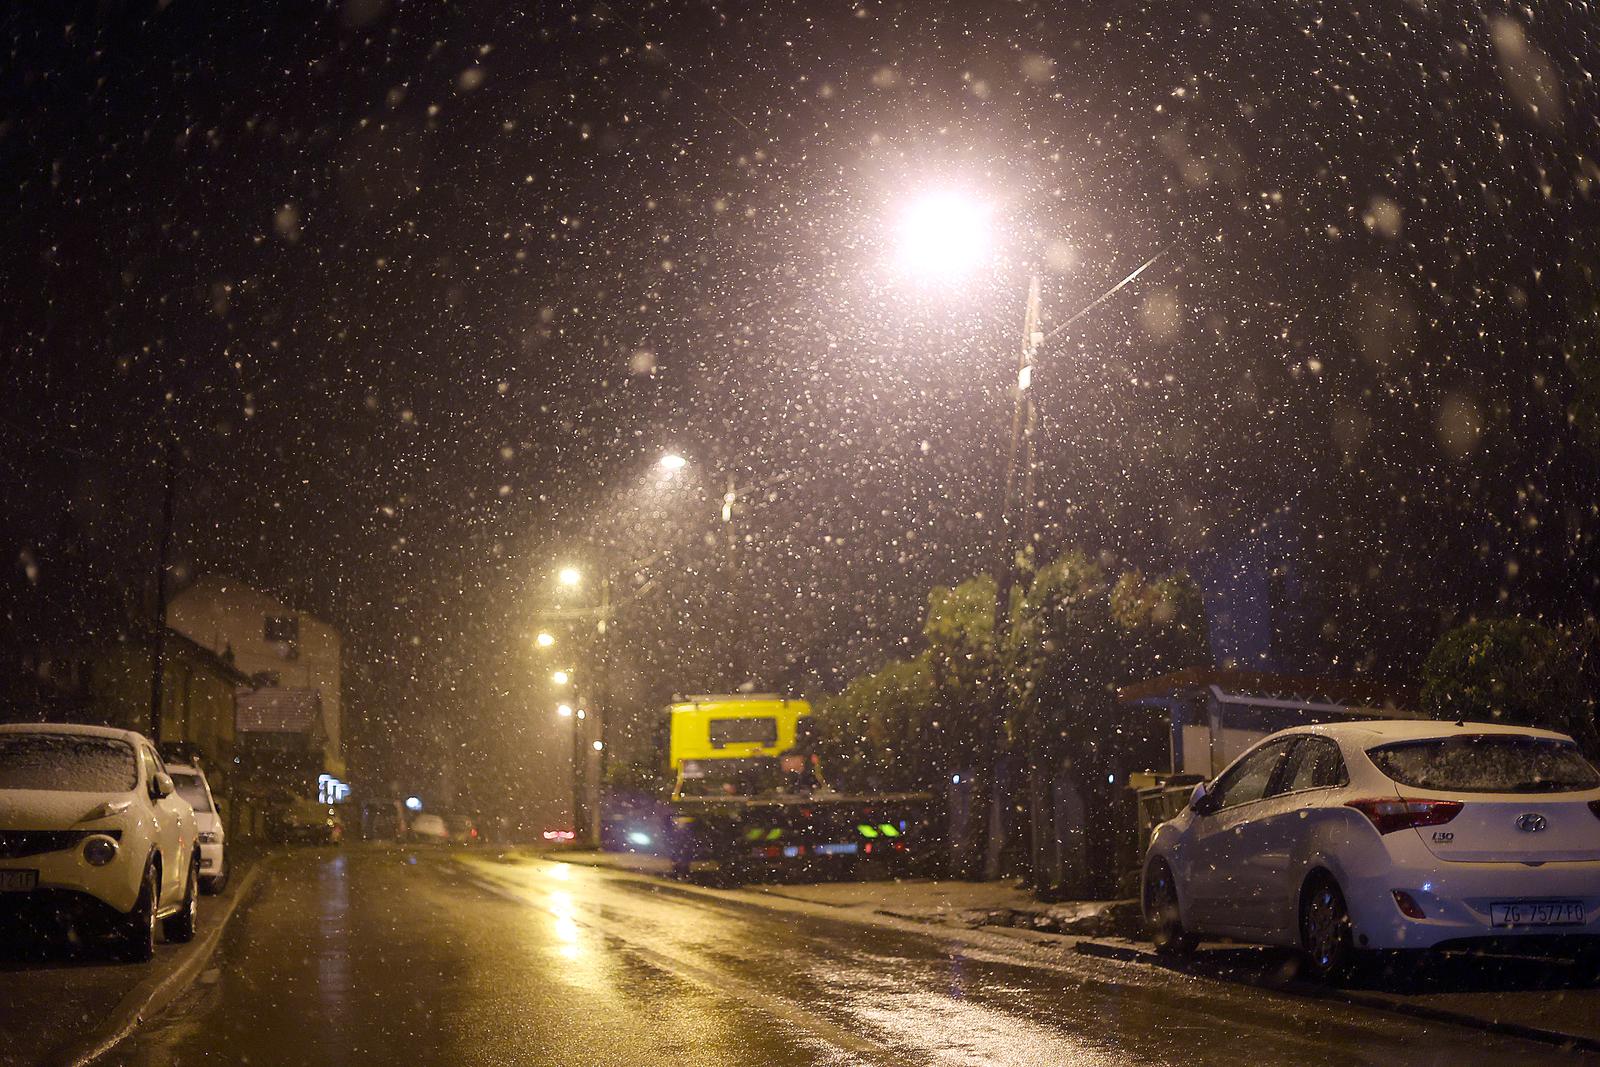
pixel 18 881
pixel 1537 913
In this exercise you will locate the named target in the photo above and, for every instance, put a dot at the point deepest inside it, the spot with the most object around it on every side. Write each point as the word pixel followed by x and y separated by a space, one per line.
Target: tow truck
pixel 750 798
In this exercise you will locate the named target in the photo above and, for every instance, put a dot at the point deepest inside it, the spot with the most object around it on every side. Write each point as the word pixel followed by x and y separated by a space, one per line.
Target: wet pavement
pixel 374 955
pixel 55 993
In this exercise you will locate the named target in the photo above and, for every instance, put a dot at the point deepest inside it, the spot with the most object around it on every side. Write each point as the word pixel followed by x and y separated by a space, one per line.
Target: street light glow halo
pixel 672 462
pixel 943 234
pixel 569 576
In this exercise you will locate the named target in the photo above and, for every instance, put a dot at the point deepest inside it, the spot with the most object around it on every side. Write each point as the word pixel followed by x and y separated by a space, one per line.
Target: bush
pixel 1513 671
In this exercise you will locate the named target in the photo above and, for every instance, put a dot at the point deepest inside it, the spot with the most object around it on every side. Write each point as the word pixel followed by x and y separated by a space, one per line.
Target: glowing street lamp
pixel 545 639
pixel 672 463
pixel 571 577
pixel 560 677
pixel 564 710
pixel 943 235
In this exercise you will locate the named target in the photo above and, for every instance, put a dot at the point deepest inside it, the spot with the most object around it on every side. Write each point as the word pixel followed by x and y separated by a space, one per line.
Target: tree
pixel 1077 638
pixel 1163 623
pixel 873 732
pixel 961 665
pixel 1513 671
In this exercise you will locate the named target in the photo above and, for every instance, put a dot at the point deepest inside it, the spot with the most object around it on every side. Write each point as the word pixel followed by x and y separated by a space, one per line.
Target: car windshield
pixel 67 763
pixel 191 788
pixel 1487 763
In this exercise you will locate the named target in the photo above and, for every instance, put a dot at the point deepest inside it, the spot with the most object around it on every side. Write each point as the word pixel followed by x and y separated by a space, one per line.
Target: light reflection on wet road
pixel 382 956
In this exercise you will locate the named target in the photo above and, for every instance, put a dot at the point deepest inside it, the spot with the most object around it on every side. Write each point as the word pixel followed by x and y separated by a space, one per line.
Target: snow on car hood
pixel 52 809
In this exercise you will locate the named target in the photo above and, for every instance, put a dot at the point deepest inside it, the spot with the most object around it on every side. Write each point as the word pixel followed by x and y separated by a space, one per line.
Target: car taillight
pixel 1401 813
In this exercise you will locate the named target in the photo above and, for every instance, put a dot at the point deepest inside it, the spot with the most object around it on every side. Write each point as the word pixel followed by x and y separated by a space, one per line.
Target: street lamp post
pixel 942 237
pixel 587 788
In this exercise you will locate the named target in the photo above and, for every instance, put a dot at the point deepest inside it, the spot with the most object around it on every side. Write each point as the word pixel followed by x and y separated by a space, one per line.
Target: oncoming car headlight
pixel 99 850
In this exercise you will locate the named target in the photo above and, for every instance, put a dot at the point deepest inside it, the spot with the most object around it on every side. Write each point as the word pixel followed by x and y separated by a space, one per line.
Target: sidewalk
pixel 1522 997
pixel 968 904
pixel 62 1003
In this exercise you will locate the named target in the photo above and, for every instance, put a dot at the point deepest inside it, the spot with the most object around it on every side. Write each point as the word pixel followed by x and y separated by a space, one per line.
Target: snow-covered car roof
pixel 132 737
pixel 1377 731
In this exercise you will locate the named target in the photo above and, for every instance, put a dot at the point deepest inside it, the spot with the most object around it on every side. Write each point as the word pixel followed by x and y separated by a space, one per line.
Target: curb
pixel 1576 1042
pixel 159 990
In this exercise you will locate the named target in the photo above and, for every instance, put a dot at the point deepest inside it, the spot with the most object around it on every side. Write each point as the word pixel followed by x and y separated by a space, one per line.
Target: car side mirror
pixel 161 786
pixel 1202 801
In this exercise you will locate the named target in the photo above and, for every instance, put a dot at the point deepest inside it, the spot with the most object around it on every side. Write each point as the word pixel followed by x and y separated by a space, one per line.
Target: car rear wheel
pixel 138 934
pixel 1161 914
pixel 180 927
pixel 1325 930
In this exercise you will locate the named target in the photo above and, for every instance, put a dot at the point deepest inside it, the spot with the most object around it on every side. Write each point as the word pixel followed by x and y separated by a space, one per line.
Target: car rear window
pixel 190 788
pixel 67 763
pixel 1487 763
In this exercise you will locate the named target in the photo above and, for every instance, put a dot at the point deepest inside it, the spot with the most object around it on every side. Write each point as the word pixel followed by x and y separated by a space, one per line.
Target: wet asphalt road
pixel 386 956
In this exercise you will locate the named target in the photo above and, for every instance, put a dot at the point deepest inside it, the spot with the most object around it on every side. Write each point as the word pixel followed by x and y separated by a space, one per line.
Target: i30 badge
pixel 1531 823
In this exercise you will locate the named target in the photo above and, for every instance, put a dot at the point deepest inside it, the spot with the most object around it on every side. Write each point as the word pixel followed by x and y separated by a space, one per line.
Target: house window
pixel 283 631
pixel 284 628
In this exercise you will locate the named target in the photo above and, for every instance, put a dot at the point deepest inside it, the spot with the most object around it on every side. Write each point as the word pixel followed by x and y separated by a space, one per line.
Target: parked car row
pixel 94 831
pixel 1348 839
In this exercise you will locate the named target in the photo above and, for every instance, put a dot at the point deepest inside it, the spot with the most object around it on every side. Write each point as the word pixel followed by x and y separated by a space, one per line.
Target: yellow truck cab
pixel 729 745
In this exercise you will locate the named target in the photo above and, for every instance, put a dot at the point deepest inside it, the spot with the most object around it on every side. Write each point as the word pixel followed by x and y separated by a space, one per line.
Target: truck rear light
pixel 1401 813
pixel 1408 905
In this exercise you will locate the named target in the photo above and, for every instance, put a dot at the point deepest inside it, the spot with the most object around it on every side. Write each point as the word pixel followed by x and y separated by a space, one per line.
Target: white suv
pixel 193 787
pixel 91 826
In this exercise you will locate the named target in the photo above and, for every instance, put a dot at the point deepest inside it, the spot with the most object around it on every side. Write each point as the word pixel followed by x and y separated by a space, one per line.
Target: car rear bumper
pixel 1457 901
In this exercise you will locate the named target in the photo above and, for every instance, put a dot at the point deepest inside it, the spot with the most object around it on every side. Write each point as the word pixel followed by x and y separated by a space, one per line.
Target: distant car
pixel 304 821
pixel 1393 835
pixel 463 831
pixel 192 786
pixel 427 827
pixel 92 830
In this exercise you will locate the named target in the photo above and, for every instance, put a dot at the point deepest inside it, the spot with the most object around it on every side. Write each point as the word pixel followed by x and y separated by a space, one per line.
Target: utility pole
pixel 158 646
pixel 1015 534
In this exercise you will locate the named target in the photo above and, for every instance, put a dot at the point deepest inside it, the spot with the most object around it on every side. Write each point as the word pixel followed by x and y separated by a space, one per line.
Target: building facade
pixel 277 647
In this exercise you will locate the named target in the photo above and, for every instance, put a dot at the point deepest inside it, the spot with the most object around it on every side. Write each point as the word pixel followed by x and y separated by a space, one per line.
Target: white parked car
pixel 192 786
pixel 91 827
pixel 1342 838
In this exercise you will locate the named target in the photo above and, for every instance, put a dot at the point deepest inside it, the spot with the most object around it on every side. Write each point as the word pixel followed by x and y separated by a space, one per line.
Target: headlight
pixel 209 837
pixel 99 850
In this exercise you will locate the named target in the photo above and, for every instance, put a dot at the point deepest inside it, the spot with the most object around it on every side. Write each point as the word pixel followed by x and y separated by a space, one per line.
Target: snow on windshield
pixel 65 763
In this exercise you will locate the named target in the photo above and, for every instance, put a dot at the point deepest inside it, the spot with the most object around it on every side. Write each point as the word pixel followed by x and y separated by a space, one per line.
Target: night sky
pixel 423 289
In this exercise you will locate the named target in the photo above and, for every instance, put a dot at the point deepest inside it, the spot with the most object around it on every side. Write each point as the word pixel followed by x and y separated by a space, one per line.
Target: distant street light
pixel 672 463
pixel 545 639
pixel 571 577
pixel 560 677
pixel 598 745
pixel 564 710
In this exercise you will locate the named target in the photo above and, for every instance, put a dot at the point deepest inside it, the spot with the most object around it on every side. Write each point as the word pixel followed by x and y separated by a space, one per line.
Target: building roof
pixel 1360 692
pixel 218 665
